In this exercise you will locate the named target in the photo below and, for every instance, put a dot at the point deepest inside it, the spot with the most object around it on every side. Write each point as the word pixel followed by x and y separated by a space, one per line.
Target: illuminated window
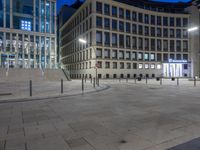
pixel 159 66
pixel 140 66
pixel 25 25
pixel 152 56
pixel 146 56
pixel 152 66
pixel 139 56
pixel 146 66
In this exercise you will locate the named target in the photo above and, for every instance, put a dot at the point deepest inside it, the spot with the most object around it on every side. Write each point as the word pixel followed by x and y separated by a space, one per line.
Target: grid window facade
pixel 130 36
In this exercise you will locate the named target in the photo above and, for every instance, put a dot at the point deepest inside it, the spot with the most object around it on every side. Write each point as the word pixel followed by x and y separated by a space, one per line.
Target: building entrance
pixel 173 70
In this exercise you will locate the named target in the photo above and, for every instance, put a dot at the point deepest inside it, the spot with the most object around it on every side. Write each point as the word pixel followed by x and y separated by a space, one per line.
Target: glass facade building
pixel 27 33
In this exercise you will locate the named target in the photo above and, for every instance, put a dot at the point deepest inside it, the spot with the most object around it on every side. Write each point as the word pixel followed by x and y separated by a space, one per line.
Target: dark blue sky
pixel 69 2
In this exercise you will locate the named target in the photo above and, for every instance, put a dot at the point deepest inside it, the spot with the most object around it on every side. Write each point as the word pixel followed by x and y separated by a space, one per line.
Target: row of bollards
pixel 95 82
pixel 84 80
pixel 158 79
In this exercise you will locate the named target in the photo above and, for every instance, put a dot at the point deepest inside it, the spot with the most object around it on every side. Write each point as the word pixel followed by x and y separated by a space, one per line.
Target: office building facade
pixel 127 39
pixel 28 33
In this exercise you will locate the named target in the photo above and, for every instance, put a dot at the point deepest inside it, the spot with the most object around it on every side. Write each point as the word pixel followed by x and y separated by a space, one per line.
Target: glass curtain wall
pixel 25 49
pixel 23 14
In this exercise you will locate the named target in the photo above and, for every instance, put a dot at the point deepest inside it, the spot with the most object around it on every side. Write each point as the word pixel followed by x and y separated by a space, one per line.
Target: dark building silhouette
pixel 63 15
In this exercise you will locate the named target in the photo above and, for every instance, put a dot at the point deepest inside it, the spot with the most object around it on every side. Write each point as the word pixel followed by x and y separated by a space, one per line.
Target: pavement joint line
pixel 5 94
pixel 51 97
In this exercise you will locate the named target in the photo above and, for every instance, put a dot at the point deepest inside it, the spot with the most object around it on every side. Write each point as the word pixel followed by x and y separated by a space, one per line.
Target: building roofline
pixel 187 4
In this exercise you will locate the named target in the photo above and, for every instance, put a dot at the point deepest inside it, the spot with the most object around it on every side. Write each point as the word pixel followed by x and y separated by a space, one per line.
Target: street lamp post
pixel 83 41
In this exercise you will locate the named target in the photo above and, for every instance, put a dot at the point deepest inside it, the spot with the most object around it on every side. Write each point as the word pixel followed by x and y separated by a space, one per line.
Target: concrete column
pixel 4 17
pixel 55 27
pixel 35 52
pixel 45 18
pixel 50 23
pixel 11 41
pixel 0 60
pixel 11 14
pixel 16 51
pixel 23 46
pixel 34 17
pixel 194 39
pixel 4 41
pixel 50 54
pixel 39 15
pixel 8 61
pixel 29 52
pixel 55 17
pixel 40 49
pixel 10 51
pixel 45 49
pixel 55 60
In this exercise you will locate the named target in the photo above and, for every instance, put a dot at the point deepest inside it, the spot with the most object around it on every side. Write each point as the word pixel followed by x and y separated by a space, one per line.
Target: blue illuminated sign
pixel 177 61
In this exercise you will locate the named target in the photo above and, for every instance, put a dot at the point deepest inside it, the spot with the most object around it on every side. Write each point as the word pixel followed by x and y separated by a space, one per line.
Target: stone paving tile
pixel 78 142
pixel 85 147
pixel 16 147
pixel 51 143
pixel 134 142
pixel 18 144
pixel 84 125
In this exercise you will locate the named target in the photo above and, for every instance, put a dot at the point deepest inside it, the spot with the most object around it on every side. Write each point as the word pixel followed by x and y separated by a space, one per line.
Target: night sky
pixel 69 2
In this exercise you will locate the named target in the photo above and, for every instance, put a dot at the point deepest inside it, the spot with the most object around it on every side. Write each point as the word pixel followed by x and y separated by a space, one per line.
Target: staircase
pixel 54 75
pixel 18 75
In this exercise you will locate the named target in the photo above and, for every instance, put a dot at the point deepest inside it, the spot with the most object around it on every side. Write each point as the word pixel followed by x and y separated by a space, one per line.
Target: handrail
pixel 67 74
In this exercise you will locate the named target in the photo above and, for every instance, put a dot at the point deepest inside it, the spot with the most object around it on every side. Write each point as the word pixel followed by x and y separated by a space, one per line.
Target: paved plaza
pixel 126 116
pixel 20 91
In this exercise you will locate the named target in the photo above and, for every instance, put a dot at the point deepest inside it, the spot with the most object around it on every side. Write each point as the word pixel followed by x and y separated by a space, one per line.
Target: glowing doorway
pixel 173 70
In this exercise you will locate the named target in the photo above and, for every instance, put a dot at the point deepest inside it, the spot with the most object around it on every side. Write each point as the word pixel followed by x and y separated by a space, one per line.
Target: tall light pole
pixel 190 30
pixel 83 41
